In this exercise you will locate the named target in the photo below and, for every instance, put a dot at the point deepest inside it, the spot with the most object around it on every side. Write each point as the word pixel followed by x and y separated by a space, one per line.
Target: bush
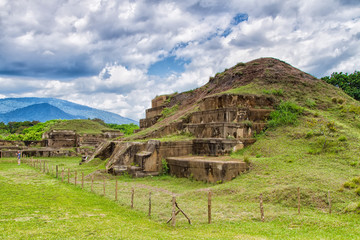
pixel 310 103
pixel 349 185
pixel 167 112
pixel 342 139
pixel 286 113
pixel 247 160
pixel 240 64
pixel 164 167
pixel 309 135
pixel 357 191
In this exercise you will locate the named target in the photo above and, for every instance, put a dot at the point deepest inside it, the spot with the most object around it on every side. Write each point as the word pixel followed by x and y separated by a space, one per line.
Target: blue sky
pixel 117 55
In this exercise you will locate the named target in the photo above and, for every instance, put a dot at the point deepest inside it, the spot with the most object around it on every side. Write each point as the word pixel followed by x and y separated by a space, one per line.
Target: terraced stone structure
pixel 220 117
pixel 223 123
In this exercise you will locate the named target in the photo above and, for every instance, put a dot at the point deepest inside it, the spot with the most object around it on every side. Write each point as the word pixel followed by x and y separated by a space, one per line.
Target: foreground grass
pixel 38 206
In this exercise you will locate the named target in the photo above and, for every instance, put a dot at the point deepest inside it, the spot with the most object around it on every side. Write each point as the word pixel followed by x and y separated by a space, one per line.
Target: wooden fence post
pixel 173 221
pixel 149 214
pixel 62 175
pixel 116 189
pixel 132 197
pixel 261 207
pixel 57 170
pixel 82 179
pixel 104 185
pixel 329 200
pixel 68 175
pixel 298 196
pixel 44 166
pixel 75 177
pixel 209 207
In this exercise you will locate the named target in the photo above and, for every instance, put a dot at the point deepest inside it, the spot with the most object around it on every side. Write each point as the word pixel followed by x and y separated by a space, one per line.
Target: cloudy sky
pixel 117 55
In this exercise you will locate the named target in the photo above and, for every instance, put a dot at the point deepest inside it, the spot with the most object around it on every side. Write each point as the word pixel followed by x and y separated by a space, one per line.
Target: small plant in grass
pixel 247 160
pixel 357 191
pixel 164 167
pixel 286 113
pixel 310 103
pixel 309 135
pixel 342 139
pixel 323 128
pixel 276 92
pixel 353 164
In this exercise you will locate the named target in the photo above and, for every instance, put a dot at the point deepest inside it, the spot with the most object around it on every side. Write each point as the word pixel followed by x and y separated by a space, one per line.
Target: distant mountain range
pixel 44 109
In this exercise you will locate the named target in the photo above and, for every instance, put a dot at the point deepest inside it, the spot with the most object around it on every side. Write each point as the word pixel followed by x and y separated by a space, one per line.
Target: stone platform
pixel 208 169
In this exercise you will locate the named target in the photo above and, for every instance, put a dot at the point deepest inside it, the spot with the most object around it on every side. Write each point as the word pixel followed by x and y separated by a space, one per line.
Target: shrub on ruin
pixel 164 167
pixel 286 113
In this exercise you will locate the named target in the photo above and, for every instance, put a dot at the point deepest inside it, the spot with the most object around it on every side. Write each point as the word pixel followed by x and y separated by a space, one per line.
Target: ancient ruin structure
pixel 221 124
pixel 58 143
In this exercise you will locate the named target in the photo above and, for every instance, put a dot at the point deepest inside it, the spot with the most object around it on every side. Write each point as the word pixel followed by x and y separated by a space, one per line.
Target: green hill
pixel 314 148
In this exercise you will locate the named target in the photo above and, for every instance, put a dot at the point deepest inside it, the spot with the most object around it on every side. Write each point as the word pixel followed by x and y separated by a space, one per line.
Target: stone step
pixel 139 174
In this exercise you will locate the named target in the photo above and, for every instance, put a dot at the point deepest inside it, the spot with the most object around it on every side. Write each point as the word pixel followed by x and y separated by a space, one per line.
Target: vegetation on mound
pixel 80 126
pixel 29 133
pixel 349 83
pixel 286 113
pixel 33 131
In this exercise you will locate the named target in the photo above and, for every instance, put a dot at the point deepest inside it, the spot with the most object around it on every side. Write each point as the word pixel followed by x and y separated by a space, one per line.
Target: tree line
pixel 349 83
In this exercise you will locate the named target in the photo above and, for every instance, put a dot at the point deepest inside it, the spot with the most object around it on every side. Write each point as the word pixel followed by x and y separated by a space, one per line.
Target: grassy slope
pixel 81 126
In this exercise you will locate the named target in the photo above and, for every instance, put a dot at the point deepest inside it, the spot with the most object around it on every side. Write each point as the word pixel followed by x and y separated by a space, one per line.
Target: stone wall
pixel 159 101
pixel 61 138
pixel 235 100
pixel 205 169
pixel 230 115
pixel 153 112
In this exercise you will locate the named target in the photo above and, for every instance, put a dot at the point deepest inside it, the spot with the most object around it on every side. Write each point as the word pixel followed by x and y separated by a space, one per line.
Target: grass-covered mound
pixel 81 126
pixel 30 131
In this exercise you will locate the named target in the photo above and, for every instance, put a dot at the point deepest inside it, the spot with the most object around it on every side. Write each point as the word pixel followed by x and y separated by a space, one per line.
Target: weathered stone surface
pixel 123 155
pixel 215 146
pixel 61 138
pixel 148 122
pixel 110 134
pixel 153 112
pixel 147 156
pixel 235 100
pixel 230 115
pixel 205 168
pixel 224 130
pixel 40 152
pixel 159 101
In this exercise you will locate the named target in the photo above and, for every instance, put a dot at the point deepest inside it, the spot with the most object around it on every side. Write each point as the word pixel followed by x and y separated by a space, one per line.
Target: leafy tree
pixel 349 83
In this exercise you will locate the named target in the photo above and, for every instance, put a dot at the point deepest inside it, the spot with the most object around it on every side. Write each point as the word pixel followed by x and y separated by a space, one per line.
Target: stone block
pixel 205 169
pixel 153 112
pixel 159 101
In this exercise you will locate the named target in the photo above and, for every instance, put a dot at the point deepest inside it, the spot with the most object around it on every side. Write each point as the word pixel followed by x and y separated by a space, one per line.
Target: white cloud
pixel 98 53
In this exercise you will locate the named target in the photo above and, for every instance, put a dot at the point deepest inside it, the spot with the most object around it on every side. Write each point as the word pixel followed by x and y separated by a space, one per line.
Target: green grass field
pixel 36 205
